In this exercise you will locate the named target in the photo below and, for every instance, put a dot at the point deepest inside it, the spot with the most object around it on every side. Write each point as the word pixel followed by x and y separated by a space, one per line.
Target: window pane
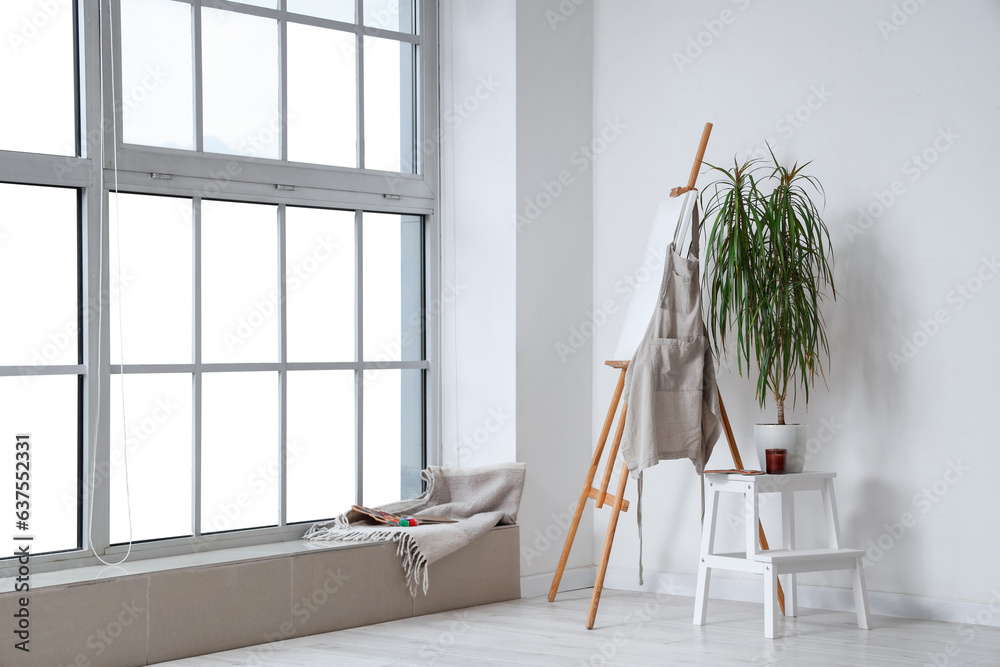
pixel 239 451
pixel 38 275
pixel 156 81
pixel 392 287
pixel 47 408
pixel 157 440
pixel 239 278
pixel 320 446
pixel 393 435
pixel 36 75
pixel 154 285
pixel 390 15
pixel 319 246
pixel 389 103
pixel 322 96
pixel 240 76
pixel 335 10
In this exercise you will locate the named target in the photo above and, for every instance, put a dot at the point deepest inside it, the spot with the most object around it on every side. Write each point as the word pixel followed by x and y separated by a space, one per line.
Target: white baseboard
pixel 817 597
pixel 746 590
pixel 538 584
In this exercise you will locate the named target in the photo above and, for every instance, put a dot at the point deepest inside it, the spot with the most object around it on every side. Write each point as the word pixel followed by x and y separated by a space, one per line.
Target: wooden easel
pixel 618 504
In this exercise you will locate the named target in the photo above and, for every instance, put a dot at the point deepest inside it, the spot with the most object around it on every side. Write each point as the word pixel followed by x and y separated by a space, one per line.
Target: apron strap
pixel 638 516
pixel 695 231
pixel 688 218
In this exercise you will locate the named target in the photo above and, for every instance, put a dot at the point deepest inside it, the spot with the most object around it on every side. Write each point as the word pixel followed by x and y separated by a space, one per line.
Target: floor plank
pixel 633 629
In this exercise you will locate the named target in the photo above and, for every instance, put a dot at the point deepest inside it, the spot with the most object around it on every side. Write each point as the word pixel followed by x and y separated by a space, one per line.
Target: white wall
pixel 507 393
pixel 478 107
pixel 554 273
pixel 877 100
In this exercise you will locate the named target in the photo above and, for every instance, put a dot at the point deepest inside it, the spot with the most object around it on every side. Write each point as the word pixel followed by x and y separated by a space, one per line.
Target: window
pixel 269 83
pixel 265 265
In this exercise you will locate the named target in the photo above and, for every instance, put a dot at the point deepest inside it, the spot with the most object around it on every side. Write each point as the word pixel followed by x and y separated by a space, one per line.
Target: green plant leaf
pixel 769 262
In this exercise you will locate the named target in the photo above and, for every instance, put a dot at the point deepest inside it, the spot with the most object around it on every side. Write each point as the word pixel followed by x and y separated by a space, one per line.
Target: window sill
pixel 84 575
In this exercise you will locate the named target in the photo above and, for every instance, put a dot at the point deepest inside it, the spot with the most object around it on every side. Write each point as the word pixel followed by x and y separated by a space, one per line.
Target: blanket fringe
pixel 320 531
pixel 415 566
pixel 414 563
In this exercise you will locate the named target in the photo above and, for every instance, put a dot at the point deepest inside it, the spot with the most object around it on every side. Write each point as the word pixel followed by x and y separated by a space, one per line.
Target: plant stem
pixel 780 400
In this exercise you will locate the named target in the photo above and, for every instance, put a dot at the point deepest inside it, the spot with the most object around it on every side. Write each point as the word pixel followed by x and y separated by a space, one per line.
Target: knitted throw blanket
pixel 479 498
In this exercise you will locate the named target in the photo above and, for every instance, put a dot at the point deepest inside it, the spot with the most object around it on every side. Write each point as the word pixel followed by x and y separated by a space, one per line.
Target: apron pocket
pixel 680 294
pixel 677 424
pixel 678 365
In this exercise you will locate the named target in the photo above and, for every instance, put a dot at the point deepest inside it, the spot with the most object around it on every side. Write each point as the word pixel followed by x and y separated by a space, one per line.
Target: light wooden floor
pixel 633 629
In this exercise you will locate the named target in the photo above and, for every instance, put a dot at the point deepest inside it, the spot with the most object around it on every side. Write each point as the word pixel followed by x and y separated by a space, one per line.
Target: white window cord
pixel 100 285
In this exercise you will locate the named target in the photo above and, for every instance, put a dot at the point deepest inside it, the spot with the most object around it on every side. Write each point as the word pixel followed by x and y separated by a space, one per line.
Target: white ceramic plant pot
pixel 790 437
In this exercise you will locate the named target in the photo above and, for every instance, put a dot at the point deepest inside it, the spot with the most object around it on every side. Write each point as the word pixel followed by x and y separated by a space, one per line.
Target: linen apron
pixel 670 386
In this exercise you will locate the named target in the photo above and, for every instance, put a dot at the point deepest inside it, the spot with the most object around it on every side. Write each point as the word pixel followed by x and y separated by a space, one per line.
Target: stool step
pixel 809 560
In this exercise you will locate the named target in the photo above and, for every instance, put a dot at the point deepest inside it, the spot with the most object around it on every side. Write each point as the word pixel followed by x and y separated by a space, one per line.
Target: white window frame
pixel 195 174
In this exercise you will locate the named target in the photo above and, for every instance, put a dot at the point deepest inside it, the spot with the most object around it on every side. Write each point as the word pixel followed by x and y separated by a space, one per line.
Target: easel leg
pixel 570 536
pixel 587 484
pixel 602 569
pixel 612 455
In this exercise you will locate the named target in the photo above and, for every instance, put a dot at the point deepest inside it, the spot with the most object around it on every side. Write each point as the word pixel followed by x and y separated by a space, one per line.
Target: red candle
pixel 775 461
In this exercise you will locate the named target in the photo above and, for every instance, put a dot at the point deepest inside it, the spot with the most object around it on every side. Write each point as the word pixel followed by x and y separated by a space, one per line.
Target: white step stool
pixel 788 561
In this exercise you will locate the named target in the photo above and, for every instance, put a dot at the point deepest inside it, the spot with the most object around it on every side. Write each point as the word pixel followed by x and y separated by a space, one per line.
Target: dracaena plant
pixel 769 266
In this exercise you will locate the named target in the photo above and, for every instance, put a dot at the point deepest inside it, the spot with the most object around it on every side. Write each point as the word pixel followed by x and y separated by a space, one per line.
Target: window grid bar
pixel 359 64
pixel 89 170
pixel 244 367
pixel 423 287
pixel 425 425
pixel 79 74
pixel 416 101
pixel 359 375
pixel 283 84
pixel 196 386
pixel 47 170
pixel 83 314
pixel 283 372
pixel 99 531
pixel 199 116
pixel 117 132
pixel 132 369
pixel 55 369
